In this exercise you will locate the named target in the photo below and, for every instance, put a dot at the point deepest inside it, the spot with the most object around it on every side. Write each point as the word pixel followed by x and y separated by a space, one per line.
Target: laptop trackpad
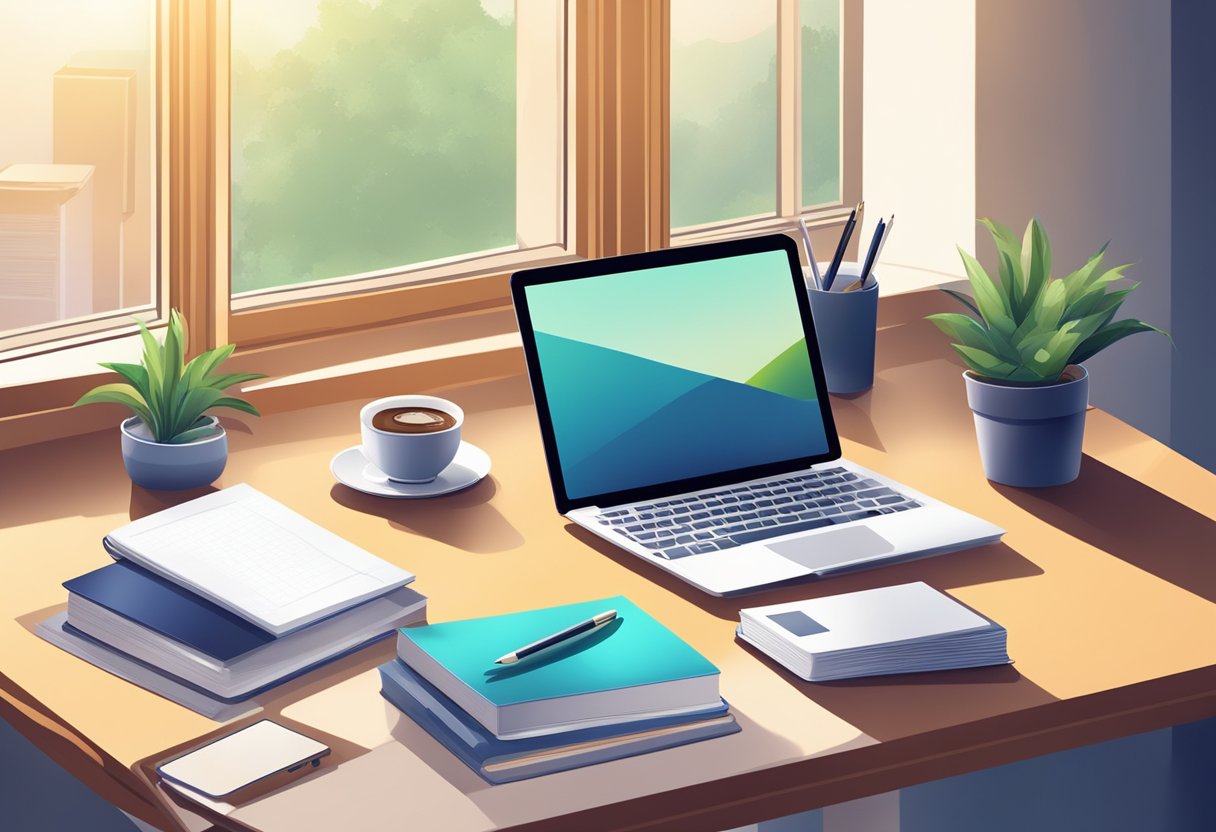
pixel 826 549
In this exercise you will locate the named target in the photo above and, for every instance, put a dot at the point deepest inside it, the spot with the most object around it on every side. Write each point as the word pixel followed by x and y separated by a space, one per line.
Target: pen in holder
pixel 846 320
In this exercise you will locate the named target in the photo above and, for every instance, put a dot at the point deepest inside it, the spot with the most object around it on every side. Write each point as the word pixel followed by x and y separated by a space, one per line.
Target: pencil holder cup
pixel 845 326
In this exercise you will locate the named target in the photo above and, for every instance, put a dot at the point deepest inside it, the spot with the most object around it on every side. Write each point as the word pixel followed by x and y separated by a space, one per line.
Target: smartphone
pixel 242 758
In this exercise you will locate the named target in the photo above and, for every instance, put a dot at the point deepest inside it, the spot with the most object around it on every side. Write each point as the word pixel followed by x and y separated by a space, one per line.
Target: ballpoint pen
pixel 886 232
pixel 830 277
pixel 871 254
pixel 557 638
pixel 810 253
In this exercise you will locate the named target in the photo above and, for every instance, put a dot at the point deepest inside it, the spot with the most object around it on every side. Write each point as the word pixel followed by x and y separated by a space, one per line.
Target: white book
pixel 896 629
pixel 256 558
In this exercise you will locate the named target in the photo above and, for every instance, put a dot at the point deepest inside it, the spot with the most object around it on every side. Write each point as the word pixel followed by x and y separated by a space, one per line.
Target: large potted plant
pixel 1024 348
pixel 170 442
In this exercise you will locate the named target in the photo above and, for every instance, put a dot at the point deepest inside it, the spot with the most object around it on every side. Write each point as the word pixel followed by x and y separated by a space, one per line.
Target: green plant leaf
pixel 1108 335
pixel 1036 259
pixel 964 300
pixel 1048 354
pixel 124 394
pixel 194 434
pixel 1075 282
pixel 222 382
pixel 1099 283
pixel 237 404
pixel 133 373
pixel 1044 315
pixel 208 362
pixel 973 334
pixel 1092 303
pixel 984 362
pixel 1009 254
pixel 993 306
pixel 173 368
pixel 153 360
pixel 194 404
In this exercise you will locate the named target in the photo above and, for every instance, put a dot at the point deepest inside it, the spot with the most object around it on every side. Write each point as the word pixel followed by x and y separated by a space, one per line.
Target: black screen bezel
pixel 578 270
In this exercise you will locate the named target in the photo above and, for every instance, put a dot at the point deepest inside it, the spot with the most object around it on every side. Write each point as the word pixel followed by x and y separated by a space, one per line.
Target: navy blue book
pixel 166 608
pixel 161 625
pixel 502 761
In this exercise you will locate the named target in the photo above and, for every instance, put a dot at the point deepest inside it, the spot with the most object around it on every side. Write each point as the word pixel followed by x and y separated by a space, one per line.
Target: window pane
pixel 723 110
pixel 77 162
pixel 368 136
pixel 820 101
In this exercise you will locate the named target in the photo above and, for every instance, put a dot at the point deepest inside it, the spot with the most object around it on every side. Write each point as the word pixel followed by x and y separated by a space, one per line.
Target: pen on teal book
pixel 557 638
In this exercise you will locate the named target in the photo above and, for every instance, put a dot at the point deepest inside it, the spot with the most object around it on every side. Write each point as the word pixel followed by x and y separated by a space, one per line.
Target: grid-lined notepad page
pixel 258 558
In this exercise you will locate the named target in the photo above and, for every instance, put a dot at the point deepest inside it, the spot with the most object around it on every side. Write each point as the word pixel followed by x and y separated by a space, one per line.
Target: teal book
pixel 631 668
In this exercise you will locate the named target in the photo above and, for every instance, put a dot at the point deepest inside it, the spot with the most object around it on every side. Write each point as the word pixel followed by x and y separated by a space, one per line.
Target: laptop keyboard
pixel 727 517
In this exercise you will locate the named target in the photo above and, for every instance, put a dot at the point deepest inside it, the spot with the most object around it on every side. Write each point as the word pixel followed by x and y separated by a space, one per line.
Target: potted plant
pixel 1024 348
pixel 170 442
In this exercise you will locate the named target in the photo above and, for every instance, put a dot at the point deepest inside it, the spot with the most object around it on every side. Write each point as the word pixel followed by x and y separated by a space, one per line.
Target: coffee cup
pixel 411 438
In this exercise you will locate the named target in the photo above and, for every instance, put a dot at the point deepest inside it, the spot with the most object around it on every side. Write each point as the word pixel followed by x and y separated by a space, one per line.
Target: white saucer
pixel 351 468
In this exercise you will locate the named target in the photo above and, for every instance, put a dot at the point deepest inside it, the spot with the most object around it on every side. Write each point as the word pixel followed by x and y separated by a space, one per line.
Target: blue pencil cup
pixel 845 325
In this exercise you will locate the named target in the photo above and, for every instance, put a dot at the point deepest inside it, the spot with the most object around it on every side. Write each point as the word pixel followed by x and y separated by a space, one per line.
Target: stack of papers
pixel 897 629
pixel 218 599
pixel 628 687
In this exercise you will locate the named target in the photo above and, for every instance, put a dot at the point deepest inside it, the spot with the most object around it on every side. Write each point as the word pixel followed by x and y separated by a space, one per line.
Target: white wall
pixel 1073 125
pixel 918 136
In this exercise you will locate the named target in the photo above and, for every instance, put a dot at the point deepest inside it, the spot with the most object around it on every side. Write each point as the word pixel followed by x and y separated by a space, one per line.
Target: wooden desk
pixel 1106 587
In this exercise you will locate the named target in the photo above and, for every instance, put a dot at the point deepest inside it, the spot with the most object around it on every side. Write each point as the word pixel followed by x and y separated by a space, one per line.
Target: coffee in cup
pixel 413 420
pixel 411 438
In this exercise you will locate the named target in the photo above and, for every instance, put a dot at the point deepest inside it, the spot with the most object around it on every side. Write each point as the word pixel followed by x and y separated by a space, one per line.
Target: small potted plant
pixel 1024 348
pixel 170 442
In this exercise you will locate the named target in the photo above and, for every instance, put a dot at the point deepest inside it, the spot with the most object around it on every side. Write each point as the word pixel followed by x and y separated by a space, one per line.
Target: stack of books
pixel 623 688
pixel 908 628
pixel 218 599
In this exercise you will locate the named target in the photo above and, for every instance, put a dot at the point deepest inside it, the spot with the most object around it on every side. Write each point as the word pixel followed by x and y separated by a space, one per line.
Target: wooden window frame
pixel 617 191
pixel 789 207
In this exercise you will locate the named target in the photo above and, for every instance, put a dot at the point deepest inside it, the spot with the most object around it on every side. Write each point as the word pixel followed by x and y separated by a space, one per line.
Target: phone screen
pixel 241 758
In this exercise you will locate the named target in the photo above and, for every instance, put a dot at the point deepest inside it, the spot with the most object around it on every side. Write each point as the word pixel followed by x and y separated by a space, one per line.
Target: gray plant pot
pixel 172 467
pixel 1030 436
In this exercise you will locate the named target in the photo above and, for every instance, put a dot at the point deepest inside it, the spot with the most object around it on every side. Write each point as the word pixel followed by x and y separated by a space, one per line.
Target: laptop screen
pixel 674 373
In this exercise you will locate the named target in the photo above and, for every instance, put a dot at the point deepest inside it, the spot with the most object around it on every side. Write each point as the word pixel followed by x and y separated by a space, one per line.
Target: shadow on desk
pixel 981 565
pixel 1129 520
pixel 891 707
pixel 464 520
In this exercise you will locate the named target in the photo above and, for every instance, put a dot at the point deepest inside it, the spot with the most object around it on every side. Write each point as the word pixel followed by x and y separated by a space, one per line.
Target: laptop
pixel 685 419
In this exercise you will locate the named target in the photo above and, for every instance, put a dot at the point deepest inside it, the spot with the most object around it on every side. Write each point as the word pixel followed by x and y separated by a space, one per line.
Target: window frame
pixel 789 207
pixel 617 198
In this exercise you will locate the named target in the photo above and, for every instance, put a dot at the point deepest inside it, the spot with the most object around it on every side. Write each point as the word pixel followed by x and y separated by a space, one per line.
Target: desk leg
pixel 140 825
pixel 879 813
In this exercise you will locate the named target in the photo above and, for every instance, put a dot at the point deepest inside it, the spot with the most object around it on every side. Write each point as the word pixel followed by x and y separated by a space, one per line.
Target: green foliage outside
pixel 724 121
pixel 385 136
pixel 169 395
pixel 1028 326
pixel 820 102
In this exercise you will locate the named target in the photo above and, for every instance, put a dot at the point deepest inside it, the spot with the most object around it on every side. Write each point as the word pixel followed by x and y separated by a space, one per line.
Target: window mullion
pixel 789 109
pixel 198 288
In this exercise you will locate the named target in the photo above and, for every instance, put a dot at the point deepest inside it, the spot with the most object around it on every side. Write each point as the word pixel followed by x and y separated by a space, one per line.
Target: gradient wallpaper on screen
pixel 675 372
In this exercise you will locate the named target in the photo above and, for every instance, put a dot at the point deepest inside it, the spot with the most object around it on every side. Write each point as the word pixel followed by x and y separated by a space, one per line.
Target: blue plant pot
pixel 1030 436
pixel 172 467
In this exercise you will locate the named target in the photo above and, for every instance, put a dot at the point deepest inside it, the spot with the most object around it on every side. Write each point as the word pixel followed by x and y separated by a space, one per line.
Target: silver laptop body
pixel 677 428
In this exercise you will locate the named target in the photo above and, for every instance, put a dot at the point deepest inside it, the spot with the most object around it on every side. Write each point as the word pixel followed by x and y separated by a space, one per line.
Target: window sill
pixel 36 395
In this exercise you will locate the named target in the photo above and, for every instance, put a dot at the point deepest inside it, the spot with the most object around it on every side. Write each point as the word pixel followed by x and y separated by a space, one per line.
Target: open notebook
pixel 256 558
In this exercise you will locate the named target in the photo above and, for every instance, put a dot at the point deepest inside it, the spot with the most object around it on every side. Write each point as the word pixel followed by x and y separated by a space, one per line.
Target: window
pixel 297 168
pixel 757 111
pixel 79 169
pixel 379 140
